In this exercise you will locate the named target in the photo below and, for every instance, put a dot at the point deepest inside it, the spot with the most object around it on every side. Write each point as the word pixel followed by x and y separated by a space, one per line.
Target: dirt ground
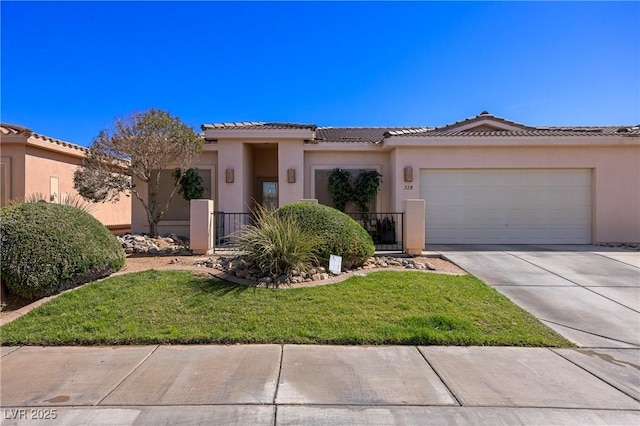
pixel 136 263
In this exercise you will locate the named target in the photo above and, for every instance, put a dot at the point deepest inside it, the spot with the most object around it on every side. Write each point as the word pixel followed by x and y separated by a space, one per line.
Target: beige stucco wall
pixel 34 162
pixel 41 166
pixel 614 161
pixel 290 156
pixel 616 176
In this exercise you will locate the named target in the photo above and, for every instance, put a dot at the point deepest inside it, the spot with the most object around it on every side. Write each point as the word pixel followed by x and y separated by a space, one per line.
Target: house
pixel 31 164
pixel 484 179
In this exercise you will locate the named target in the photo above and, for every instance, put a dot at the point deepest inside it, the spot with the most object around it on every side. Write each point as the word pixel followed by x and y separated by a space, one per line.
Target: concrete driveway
pixel 589 294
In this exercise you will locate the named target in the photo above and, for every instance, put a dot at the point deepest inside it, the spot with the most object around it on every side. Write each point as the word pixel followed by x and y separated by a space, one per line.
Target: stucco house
pixel 31 163
pixel 484 179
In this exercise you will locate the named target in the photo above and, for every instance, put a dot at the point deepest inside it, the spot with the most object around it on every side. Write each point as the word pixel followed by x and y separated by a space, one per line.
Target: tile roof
pixel 488 125
pixel 257 125
pixel 484 115
pixel 516 129
pixel 536 131
pixel 13 129
pixel 359 134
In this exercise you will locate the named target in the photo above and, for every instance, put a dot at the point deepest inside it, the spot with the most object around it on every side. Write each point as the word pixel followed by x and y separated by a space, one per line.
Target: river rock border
pixel 241 270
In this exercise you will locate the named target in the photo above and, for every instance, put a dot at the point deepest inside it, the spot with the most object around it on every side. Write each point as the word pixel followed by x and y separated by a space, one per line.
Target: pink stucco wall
pixel 290 156
pixel 614 162
pixel 615 187
pixel 34 161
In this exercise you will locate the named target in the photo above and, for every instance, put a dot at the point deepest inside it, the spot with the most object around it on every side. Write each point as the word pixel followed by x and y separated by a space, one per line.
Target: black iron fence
pixel 385 228
pixel 226 224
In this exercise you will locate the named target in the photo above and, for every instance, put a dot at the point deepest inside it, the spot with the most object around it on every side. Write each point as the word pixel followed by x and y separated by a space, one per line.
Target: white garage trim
pixel 507 206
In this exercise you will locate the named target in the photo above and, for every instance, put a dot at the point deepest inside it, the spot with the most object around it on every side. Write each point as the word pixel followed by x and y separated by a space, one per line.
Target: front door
pixel 268 193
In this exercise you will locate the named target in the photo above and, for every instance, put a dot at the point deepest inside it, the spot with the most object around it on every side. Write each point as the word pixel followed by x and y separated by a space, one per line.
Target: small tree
pixel 137 149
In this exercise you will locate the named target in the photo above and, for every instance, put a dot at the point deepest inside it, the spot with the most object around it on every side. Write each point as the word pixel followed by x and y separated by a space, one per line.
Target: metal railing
pixel 385 229
pixel 226 224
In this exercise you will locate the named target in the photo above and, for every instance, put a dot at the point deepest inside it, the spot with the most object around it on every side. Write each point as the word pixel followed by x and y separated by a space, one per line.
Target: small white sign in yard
pixel 335 264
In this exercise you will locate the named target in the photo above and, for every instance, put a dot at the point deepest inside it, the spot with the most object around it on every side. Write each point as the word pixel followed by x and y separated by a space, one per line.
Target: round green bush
pixel 47 248
pixel 338 233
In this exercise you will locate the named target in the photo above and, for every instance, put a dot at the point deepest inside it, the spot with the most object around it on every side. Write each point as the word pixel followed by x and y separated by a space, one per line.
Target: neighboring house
pixel 35 164
pixel 484 179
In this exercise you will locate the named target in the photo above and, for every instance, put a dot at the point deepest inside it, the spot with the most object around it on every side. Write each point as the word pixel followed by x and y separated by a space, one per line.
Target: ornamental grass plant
pixel 277 244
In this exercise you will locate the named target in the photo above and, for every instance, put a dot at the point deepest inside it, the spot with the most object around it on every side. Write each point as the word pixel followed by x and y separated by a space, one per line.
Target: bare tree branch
pixel 135 148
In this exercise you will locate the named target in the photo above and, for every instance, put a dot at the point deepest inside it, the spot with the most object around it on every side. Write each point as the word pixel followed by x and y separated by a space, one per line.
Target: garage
pixel 507 206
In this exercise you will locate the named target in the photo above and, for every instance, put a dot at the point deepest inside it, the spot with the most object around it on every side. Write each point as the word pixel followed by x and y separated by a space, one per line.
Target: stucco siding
pixel 616 175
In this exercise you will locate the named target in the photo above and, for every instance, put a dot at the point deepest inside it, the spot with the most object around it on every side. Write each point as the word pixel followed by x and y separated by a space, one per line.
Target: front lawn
pixel 175 307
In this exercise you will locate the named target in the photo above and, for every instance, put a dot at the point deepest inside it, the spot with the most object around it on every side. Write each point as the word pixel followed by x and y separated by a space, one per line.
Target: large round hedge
pixel 47 248
pixel 338 233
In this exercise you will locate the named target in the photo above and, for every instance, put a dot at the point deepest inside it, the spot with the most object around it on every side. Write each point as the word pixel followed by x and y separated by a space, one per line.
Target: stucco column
pixel 290 171
pixel 413 227
pixel 232 176
pixel 201 226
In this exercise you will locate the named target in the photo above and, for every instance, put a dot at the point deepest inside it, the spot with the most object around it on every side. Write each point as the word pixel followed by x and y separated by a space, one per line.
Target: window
pixel 323 195
pixel 179 207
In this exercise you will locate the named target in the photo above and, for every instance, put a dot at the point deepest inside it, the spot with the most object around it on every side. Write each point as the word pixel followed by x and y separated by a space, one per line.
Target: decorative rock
pixel 320 277
pixel 243 267
pixel 282 279
pixel 133 243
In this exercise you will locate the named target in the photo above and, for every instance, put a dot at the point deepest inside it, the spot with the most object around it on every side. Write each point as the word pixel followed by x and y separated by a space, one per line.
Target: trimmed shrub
pixel 47 248
pixel 278 245
pixel 338 233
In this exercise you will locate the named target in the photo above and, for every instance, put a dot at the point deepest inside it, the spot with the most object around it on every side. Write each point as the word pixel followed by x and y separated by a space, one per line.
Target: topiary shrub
pixel 47 248
pixel 338 233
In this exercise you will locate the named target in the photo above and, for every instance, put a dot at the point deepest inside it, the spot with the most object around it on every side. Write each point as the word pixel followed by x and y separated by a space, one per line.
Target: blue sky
pixel 70 68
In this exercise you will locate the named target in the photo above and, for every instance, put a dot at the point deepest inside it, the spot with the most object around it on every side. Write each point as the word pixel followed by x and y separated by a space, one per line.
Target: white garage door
pixel 498 206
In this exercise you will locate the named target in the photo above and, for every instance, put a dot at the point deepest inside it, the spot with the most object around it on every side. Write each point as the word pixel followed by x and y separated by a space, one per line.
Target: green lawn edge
pixel 381 308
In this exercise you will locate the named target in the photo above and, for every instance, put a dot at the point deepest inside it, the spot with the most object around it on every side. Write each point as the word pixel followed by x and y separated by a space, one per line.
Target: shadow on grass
pixel 219 287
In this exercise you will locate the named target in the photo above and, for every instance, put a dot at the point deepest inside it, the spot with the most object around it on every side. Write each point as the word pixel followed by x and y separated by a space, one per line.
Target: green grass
pixel 174 307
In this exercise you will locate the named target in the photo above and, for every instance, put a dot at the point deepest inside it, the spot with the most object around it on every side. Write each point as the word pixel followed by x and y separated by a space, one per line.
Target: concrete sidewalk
pixel 303 384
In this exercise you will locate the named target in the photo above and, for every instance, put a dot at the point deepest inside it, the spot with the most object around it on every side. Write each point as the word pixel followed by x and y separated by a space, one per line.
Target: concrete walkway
pixel 335 385
pixel 589 294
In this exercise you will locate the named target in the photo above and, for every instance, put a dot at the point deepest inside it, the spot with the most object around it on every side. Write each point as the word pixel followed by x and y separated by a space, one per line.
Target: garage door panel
pixel 569 219
pixel 496 206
